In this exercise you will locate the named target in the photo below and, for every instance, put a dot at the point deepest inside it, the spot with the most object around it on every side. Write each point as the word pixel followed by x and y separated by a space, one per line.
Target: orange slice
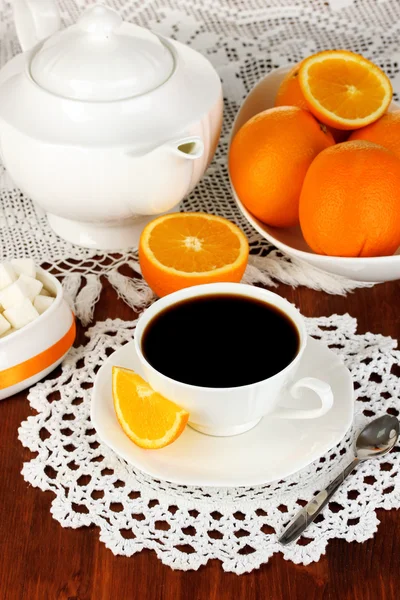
pixel 147 418
pixel 343 89
pixel 184 249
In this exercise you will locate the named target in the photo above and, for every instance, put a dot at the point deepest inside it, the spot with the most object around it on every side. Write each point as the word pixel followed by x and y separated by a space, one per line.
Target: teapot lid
pixel 102 58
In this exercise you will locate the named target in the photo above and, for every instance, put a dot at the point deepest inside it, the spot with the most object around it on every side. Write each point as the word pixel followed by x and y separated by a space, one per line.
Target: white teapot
pixel 104 124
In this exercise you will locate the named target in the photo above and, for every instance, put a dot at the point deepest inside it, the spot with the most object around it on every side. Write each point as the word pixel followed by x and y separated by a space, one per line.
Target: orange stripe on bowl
pixel 38 363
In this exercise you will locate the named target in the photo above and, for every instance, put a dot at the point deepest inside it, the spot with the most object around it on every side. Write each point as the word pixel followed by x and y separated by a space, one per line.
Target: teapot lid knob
pixel 100 20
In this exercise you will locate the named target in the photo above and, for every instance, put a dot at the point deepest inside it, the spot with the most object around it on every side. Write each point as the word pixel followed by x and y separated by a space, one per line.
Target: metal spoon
pixel 376 439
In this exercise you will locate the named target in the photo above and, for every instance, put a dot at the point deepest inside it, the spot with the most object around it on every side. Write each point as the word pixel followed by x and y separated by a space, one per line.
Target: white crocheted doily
pixel 244 39
pixel 187 526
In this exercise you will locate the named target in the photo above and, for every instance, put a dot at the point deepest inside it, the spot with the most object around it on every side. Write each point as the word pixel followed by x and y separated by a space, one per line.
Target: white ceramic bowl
pixel 29 354
pixel 291 241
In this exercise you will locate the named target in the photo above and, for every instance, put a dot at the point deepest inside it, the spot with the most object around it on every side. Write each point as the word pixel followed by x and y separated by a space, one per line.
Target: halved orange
pixel 343 89
pixel 148 419
pixel 184 249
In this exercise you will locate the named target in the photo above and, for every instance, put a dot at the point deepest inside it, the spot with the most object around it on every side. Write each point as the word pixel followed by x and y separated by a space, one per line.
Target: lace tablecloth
pixel 187 526
pixel 244 39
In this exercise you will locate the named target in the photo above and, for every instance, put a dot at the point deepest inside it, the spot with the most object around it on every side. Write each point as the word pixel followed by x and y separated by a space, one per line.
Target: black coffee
pixel 221 340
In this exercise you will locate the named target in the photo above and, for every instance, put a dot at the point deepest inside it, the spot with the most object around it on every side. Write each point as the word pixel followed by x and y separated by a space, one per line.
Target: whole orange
pixel 290 94
pixel 385 131
pixel 268 160
pixel 350 201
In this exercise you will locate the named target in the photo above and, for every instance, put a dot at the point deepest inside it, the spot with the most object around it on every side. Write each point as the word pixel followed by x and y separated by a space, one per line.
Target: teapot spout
pixel 191 147
pixel 35 20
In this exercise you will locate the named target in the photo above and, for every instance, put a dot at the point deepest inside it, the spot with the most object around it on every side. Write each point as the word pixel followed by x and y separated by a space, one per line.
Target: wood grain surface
pixel 39 560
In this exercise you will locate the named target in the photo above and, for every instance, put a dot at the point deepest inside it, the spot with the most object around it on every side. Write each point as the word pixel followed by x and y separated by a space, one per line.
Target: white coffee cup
pixel 233 410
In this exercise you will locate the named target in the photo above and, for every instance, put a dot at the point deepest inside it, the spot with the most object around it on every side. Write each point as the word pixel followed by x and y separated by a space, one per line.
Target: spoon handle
pixel 308 514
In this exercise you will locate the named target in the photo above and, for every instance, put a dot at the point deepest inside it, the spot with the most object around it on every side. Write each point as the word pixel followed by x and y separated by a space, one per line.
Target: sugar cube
pixel 4 325
pixel 21 314
pixel 45 292
pixel 40 277
pixel 33 286
pixel 13 294
pixel 11 330
pixel 24 266
pixel 42 303
pixel 7 275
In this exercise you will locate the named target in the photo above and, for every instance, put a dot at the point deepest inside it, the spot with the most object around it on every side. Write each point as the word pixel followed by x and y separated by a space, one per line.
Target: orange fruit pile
pixel 148 419
pixel 286 169
pixel 269 158
pixel 185 249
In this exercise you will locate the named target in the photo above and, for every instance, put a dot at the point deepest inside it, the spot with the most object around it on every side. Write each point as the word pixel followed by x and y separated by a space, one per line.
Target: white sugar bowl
pixel 32 352
pixel 104 124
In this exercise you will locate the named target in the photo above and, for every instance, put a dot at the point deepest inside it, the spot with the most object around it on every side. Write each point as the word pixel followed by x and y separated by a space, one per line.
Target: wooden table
pixel 39 560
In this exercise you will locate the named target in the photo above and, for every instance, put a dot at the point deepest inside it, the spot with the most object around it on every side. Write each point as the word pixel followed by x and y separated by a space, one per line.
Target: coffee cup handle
pixel 321 388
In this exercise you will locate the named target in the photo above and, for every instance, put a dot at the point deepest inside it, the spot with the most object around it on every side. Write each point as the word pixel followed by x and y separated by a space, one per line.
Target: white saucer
pixel 272 450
